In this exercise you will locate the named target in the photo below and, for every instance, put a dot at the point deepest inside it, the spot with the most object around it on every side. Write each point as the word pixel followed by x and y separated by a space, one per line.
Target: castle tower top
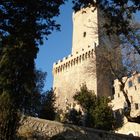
pixel 85 29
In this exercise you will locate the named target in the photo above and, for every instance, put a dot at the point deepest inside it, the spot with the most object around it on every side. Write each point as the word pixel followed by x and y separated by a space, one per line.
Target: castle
pixel 84 64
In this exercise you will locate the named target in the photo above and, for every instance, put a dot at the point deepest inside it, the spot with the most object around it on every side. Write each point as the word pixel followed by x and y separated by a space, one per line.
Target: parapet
pixel 72 60
pixel 82 11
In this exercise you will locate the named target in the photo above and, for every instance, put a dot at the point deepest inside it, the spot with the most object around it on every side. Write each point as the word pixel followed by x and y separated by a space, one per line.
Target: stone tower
pixel 82 66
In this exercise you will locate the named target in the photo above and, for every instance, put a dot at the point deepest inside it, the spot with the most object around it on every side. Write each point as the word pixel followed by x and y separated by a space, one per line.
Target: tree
pixel 10 84
pixel 118 65
pixel 47 110
pixel 74 117
pixel 23 26
pixel 27 21
pixel 16 94
pixel 37 96
pixel 98 113
pixel 119 14
pixel 9 117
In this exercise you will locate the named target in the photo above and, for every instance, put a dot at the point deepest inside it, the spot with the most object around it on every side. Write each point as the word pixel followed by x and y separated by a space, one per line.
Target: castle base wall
pixel 35 128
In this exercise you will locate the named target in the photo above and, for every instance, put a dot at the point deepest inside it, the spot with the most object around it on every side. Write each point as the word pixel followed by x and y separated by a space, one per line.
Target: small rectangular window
pixel 130 84
pixel 139 79
pixel 118 95
pixel 135 87
pixel 136 106
pixel 84 34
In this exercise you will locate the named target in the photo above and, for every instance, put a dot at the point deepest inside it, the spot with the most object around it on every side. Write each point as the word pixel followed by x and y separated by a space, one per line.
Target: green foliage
pixel 98 114
pixel 102 114
pixel 8 117
pixel 47 110
pixel 39 80
pixel 58 115
pixel 28 21
pixel 70 116
pixel 16 87
pixel 17 76
pixel 120 21
pixel 119 117
pixel 85 98
pixel 23 25
pixel 74 117
pixel 37 93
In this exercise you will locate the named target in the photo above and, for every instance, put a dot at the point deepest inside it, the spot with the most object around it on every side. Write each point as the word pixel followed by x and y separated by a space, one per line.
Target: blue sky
pixel 57 46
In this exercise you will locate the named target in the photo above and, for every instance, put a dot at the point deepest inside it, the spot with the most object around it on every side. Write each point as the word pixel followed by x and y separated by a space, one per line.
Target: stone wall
pixel 85 29
pixel 70 74
pixel 130 128
pixel 39 129
pixel 84 65
pixel 132 88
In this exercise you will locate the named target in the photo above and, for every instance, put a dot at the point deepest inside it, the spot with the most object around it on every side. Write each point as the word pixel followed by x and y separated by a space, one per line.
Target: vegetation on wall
pixel 97 111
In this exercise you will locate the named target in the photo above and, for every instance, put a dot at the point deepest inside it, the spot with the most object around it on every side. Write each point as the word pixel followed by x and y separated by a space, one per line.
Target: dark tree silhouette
pixel 23 25
pixel 48 110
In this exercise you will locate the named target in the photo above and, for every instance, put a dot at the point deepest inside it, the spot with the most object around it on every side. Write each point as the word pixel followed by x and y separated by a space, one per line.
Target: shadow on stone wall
pixel 69 133
pixel 39 129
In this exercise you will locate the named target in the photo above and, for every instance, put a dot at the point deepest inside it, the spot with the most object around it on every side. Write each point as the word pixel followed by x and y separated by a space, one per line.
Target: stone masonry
pixel 83 65
pixel 132 88
pixel 39 129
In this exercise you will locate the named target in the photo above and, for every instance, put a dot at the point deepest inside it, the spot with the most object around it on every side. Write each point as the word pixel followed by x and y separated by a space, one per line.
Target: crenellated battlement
pixel 83 11
pixel 72 60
